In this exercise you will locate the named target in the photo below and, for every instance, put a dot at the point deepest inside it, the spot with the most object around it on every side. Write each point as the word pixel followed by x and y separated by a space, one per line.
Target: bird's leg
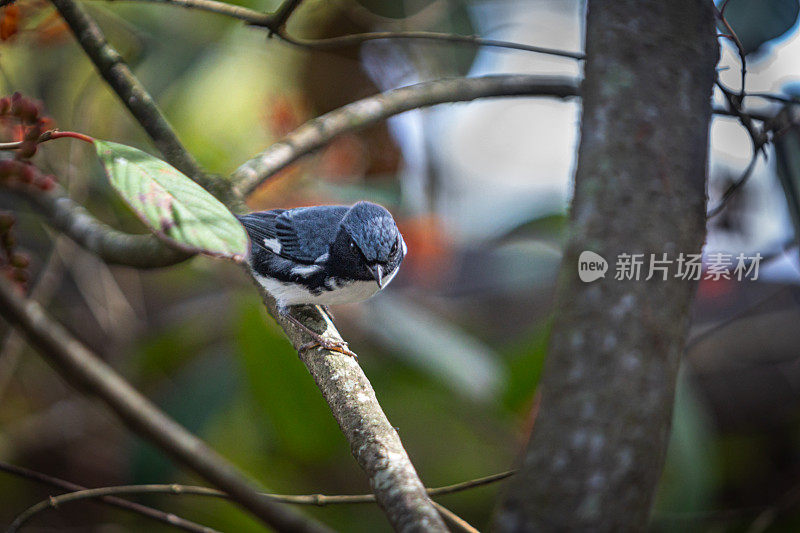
pixel 327 311
pixel 319 340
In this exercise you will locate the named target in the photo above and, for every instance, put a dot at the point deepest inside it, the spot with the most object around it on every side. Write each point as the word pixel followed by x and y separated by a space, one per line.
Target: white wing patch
pixel 273 244
pixel 306 270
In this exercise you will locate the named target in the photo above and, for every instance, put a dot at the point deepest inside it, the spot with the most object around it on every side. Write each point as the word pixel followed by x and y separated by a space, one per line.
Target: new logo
pixel 591 266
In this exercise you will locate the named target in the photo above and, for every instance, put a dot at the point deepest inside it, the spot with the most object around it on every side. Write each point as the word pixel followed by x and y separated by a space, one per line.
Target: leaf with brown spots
pixel 171 204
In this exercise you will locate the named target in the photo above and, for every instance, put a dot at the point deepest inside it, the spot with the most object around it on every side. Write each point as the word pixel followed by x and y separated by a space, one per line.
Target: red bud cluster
pixel 31 124
pixel 13 264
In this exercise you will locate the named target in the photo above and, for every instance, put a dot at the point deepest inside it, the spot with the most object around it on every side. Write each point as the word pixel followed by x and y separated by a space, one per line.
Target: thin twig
pixel 317 132
pixel 344 41
pixel 739 315
pixel 739 47
pixel 49 135
pixel 723 112
pixel 735 106
pixel 86 370
pixel 455 520
pixel 155 514
pixel 735 186
pixel 281 16
pixel 132 93
pixel 250 16
pixel 793 100
pixel 758 137
pixel 275 24
pixel 81 493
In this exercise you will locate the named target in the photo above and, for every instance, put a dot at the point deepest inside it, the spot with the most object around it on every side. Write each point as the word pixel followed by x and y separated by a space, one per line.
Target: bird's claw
pixel 329 344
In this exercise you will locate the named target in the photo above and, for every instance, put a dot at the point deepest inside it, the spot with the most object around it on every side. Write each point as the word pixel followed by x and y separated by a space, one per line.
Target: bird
pixel 323 255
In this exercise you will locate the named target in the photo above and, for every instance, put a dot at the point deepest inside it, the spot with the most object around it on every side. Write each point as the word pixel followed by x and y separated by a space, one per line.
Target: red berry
pixel 46 183
pixel 16 104
pixel 7 168
pixel 28 174
pixel 28 111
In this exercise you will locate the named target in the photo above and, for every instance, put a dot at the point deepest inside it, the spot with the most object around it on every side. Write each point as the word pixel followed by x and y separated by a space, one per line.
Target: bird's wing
pixel 306 233
pixel 303 234
pixel 260 226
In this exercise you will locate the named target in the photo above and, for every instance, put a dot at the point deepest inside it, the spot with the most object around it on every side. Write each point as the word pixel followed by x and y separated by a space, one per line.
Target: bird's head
pixel 369 243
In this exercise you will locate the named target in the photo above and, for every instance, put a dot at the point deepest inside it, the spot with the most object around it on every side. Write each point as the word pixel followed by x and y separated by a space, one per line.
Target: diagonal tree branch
pixel 110 245
pixel 132 93
pixel 83 368
pixel 373 441
pixel 317 132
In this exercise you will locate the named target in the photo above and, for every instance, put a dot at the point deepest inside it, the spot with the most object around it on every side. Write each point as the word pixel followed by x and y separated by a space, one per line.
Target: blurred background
pixel 454 347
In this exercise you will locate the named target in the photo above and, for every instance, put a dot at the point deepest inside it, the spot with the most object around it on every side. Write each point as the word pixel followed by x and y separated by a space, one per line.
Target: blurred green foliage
pixel 201 345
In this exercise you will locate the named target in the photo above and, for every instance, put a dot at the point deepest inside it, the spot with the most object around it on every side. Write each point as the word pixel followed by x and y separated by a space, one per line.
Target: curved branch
pixel 107 494
pixel 110 245
pixel 344 41
pixel 456 521
pixel 275 22
pixel 75 362
pixel 132 93
pixel 155 514
pixel 720 13
pixel 250 16
pixel 735 186
pixel 317 132
pixel 374 442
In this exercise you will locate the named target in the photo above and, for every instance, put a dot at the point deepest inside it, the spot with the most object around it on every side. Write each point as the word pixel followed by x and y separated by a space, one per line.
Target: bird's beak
pixel 377 273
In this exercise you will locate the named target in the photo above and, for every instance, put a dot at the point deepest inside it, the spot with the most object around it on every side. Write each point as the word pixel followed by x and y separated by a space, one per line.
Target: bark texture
pixel 373 440
pixel 597 449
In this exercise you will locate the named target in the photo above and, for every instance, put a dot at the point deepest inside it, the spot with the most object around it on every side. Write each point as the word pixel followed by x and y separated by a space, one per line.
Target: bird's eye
pixel 352 244
pixel 394 248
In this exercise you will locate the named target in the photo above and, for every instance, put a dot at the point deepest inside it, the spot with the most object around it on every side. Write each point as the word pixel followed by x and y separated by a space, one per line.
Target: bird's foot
pixel 329 344
pixel 320 341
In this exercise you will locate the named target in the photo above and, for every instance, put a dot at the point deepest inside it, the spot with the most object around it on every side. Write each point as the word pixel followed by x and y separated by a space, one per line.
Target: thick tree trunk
pixel 597 450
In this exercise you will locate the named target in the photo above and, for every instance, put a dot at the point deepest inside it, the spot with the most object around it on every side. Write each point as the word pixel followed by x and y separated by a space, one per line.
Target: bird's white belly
pixel 288 294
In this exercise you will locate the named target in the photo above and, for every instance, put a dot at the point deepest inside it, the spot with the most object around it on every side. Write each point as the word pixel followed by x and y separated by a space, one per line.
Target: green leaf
pixel 171 204
pixel 758 21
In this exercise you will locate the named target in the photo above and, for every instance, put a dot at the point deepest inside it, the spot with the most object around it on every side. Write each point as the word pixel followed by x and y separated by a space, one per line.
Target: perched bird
pixel 323 255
